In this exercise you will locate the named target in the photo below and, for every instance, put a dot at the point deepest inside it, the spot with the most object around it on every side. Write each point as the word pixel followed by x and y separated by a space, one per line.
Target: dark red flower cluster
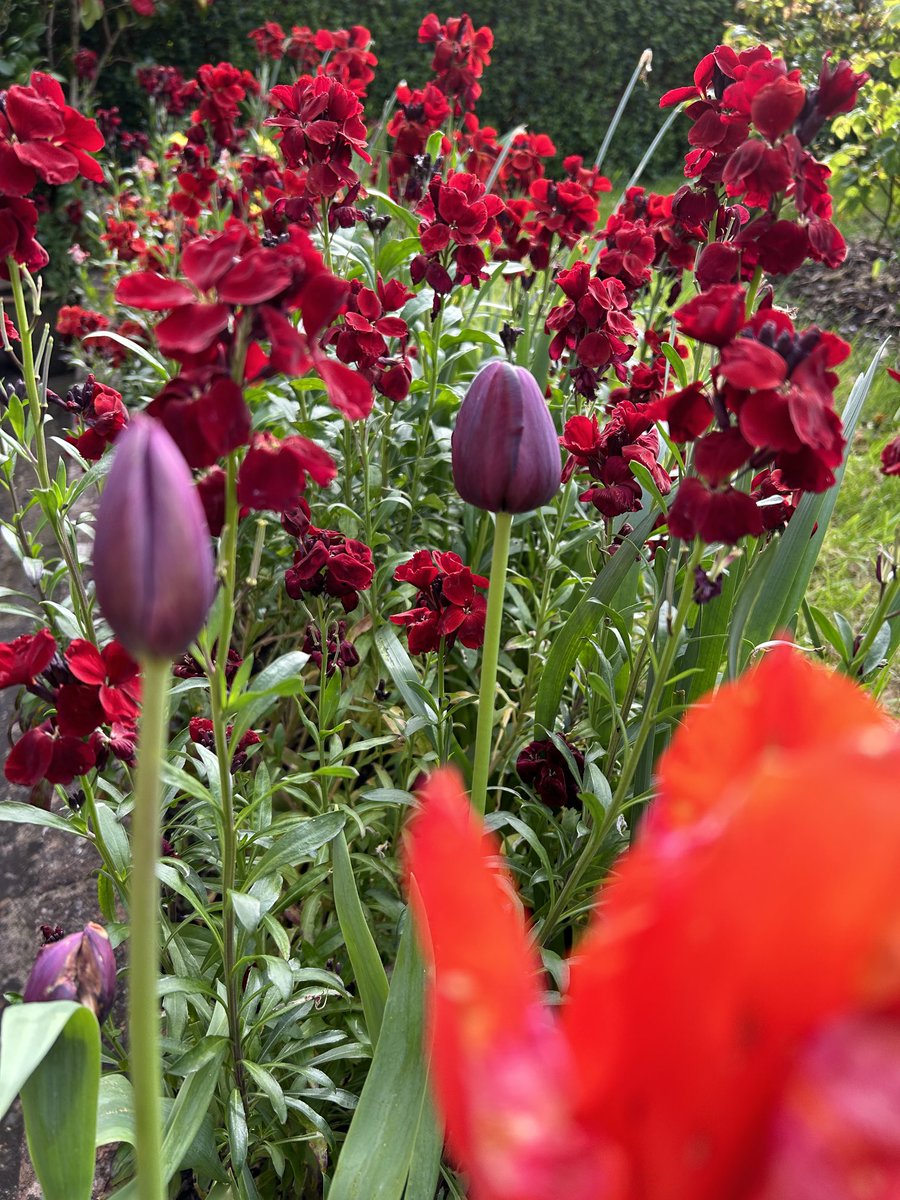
pixel 419 113
pixel 546 770
pixel 123 239
pixel 269 40
pixel 273 472
pixel 41 137
pixel 93 701
pixel 187 667
pixel 340 653
pixel 363 335
pixel 85 63
pixel 322 127
pixel 243 274
pixel 219 92
pixel 736 95
pixel 326 562
pixel 447 605
pixel 347 57
pixel 201 733
pixel 461 52
pixel 524 163
pixel 165 85
pixel 590 325
pixel 606 455
pixel 101 413
pixel 457 215
pixel 772 405
pixel 890 458
pixel 74 322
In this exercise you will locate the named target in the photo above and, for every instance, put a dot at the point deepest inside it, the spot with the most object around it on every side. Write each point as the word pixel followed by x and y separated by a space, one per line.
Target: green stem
pixel 218 695
pixel 143 984
pixel 487 695
pixel 649 716
pixel 79 595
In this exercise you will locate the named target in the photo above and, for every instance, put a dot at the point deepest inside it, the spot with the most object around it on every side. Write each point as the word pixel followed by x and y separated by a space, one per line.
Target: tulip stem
pixel 143 984
pixel 487 696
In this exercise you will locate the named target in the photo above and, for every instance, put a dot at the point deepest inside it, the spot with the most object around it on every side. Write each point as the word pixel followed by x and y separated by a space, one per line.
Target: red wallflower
pixel 457 214
pixel 461 52
pixel 102 414
pixel 419 112
pixel 269 39
pixel 446 605
pixel 725 515
pixel 18 229
pixel 340 653
pixel 273 472
pixel 327 562
pixel 349 59
pixel 41 135
pixel 321 128
pixel 221 89
pixel 588 1099
pixel 26 657
pixel 204 411
pixel 590 324
pixel 627 437
pixel 545 769
pixel 890 458
pixel 201 733
pixel 73 321
pixel 715 316
pixel 44 753
pixel 85 63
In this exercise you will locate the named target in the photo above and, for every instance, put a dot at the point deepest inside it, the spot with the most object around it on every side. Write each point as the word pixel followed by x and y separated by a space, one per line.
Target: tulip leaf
pixel 367 966
pixel 375 1160
pixel 778 579
pixel 59 1103
pixel 568 641
pixel 28 814
pixel 27 1033
pixel 425 1167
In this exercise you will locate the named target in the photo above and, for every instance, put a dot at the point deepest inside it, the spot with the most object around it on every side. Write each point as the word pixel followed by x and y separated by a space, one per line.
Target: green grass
pixel 867 515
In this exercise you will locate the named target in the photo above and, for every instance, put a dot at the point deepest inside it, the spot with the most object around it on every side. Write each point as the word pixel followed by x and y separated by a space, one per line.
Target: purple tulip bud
pixel 505 450
pixel 78 967
pixel 153 561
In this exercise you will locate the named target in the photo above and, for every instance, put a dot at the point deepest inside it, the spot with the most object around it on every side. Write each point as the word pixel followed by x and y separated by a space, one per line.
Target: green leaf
pixel 59 1103
pixel 409 219
pixel 300 840
pixel 376 1156
pixel 425 1168
pixel 676 362
pixel 400 667
pixel 568 641
pixel 367 966
pixel 141 351
pixel 27 814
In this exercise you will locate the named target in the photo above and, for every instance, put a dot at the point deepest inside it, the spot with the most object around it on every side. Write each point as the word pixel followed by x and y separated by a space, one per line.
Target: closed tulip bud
pixel 79 967
pixel 505 450
pixel 153 563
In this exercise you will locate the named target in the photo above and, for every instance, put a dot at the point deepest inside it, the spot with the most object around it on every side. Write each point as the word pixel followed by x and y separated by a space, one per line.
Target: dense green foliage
pixel 559 70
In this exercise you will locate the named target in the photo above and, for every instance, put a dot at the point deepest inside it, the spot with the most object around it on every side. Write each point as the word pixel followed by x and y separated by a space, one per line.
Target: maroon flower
pixel 461 52
pixel 321 128
pixel 49 138
pixel 24 658
pixel 591 324
pixel 446 605
pixel 44 753
pixel 714 316
pixel 273 473
pixel 200 731
pixel 341 654
pixel 103 416
pixel 112 673
pixel 687 412
pixel 204 412
pixel 269 39
pixel 327 562
pixel 607 453
pixel 715 516
pixel 545 769
pixel 18 227
pixel 890 458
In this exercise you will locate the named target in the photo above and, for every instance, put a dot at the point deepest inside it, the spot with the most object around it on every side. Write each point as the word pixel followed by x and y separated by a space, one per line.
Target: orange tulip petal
pixel 783 705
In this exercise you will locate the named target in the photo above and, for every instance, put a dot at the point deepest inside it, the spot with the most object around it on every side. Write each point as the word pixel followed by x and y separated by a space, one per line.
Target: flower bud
pixel 153 563
pixel 505 451
pixel 79 967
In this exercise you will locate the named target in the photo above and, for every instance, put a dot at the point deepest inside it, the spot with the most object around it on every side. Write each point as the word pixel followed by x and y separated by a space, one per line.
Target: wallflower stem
pixel 79 596
pixel 598 833
pixel 487 695
pixel 143 984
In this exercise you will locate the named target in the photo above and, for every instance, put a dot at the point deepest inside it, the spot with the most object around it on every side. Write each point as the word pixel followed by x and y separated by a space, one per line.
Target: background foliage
pixel 559 69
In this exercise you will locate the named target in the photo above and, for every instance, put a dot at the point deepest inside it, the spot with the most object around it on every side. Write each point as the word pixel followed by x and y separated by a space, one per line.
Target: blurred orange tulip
pixel 730 1030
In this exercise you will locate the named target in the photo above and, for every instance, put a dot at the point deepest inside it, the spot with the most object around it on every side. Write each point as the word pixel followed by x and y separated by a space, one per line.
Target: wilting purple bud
pixel 78 967
pixel 505 450
pixel 153 561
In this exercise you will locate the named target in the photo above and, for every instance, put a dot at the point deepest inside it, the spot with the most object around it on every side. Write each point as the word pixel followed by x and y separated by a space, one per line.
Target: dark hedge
pixel 558 65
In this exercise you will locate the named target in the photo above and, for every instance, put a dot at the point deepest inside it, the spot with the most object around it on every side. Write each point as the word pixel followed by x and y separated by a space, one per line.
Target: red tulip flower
pixel 730 1028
